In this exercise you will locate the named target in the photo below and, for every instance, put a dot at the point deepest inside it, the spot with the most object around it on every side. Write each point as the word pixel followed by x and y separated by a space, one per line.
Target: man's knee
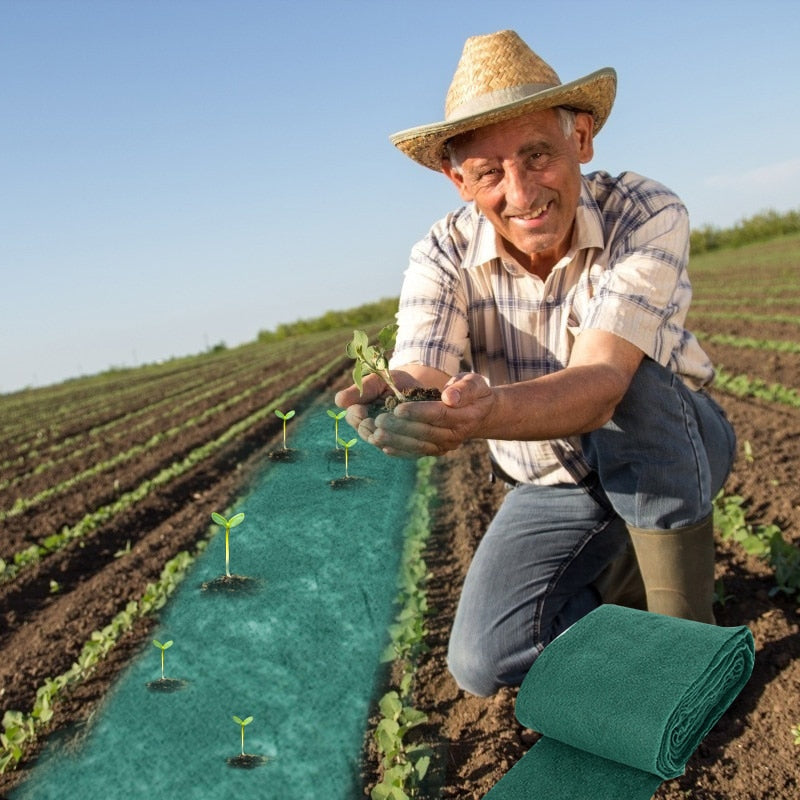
pixel 479 668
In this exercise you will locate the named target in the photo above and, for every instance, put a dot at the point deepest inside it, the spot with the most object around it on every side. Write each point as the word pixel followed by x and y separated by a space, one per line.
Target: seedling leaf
pixel 236 519
pixel 218 518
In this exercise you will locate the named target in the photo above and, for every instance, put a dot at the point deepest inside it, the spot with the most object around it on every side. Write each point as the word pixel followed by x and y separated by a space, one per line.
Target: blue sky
pixel 176 173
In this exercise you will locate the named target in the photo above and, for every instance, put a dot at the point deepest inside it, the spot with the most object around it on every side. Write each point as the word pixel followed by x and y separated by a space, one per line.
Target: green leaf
pixel 390 705
pixel 237 720
pixel 158 644
pixel 218 518
pixel 247 721
pixel 168 644
pixel 358 372
pixel 236 519
pixel 289 414
pixel 387 337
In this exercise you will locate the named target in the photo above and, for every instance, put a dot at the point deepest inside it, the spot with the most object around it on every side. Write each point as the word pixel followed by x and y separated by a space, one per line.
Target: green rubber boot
pixel 677 567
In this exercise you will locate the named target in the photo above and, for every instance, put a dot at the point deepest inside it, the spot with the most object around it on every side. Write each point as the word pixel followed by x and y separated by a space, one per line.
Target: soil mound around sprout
pixel 247 761
pixel 232 584
pixel 167 685
pixel 350 482
pixel 284 454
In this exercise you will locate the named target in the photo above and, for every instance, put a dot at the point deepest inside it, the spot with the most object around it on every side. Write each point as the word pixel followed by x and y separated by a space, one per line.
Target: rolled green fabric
pixel 623 698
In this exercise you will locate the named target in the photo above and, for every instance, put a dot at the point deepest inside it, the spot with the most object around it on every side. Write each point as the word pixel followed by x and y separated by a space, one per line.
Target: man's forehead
pixel 543 122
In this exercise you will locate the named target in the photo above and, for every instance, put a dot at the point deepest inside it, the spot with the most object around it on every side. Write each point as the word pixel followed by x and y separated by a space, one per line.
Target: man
pixel 565 296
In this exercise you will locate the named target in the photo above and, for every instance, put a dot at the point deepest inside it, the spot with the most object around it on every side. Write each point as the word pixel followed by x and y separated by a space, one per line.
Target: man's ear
pixel 458 180
pixel 583 136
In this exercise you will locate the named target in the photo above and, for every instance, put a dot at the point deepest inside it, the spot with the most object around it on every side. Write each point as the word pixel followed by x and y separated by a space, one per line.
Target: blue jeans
pixel 657 465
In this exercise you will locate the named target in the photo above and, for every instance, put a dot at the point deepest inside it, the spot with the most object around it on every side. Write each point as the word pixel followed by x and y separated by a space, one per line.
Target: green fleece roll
pixel 623 698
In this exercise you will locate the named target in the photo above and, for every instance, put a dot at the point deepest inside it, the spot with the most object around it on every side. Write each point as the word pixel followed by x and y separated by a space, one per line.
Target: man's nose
pixel 520 188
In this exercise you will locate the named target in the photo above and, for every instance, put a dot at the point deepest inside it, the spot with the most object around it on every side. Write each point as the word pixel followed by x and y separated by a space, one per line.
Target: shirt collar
pixel 588 232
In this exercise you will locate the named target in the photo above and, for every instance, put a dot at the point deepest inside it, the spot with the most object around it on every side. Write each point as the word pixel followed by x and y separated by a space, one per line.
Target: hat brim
pixel 593 93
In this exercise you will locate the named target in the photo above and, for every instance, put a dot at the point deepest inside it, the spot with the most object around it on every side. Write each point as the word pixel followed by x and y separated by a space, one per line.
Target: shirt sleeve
pixel 643 295
pixel 432 316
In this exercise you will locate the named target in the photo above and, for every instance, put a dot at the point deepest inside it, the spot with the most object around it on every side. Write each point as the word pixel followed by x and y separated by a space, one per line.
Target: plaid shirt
pixel 463 307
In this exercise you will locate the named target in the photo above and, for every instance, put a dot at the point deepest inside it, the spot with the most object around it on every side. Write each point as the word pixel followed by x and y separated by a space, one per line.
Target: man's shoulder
pixel 628 192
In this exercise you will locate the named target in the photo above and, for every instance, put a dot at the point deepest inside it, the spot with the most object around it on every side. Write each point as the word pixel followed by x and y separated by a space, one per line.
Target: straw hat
pixel 497 78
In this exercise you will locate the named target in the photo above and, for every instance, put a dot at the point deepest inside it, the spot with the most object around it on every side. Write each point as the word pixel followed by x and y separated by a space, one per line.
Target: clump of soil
pixel 348 482
pixel 417 393
pixel 247 761
pixel 284 454
pixel 167 685
pixel 231 584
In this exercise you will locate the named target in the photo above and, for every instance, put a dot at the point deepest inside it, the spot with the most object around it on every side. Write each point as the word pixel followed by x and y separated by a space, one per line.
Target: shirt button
pixel 550 298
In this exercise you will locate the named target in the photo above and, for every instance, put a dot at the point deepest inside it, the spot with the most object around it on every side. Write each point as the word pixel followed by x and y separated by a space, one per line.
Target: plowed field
pixel 104 479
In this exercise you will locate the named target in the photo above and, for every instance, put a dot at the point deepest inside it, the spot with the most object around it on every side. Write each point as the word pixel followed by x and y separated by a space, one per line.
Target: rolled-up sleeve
pixel 644 294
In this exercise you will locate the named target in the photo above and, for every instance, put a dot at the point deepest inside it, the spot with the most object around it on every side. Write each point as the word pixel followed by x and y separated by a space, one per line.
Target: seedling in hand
pixel 235 520
pixel 374 359
pixel 285 417
pixel 162 647
pixel 347 446
pixel 336 417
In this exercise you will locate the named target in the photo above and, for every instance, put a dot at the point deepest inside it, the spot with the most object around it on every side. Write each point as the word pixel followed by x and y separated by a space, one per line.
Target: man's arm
pixel 575 400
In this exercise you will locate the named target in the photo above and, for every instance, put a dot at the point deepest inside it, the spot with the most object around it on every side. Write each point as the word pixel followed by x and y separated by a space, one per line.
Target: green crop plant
pixel 404 764
pixel 336 417
pixel 373 359
pixel 235 520
pixel 347 445
pixel 285 417
pixel 163 648
pixel 243 723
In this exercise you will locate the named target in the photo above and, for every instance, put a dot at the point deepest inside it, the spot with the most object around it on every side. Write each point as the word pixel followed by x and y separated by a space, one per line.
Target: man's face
pixel 525 177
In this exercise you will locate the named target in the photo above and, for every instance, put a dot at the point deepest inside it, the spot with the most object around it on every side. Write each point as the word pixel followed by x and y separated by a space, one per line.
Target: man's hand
pixel 374 390
pixel 431 428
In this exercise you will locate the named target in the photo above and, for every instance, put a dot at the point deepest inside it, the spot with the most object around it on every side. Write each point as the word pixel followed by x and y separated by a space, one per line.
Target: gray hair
pixel 566 118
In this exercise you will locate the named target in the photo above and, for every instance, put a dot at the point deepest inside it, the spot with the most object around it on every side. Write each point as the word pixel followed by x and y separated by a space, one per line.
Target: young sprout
pixel 243 723
pixel 162 647
pixel 347 446
pixel 285 417
pixel 373 358
pixel 235 520
pixel 336 417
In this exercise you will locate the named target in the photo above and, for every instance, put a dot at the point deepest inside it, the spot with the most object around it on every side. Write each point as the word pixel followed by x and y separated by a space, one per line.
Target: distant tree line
pixel 766 225
pixel 380 311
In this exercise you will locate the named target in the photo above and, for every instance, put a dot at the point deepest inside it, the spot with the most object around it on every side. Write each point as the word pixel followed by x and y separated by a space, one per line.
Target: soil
pixel 749 754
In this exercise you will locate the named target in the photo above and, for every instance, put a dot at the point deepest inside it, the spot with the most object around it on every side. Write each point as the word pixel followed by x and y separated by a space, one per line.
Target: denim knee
pixel 476 667
pixel 660 457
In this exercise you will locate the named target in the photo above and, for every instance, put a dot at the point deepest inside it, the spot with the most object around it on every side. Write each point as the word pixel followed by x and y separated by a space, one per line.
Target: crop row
pixel 94 519
pixel 743 386
pixel 786 319
pixel 120 410
pixel 748 342
pixel 20 729
pixel 763 541
pixel 23 503
pixel 404 763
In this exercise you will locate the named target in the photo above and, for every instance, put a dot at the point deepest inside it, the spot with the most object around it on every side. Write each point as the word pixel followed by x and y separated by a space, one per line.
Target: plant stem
pixel 227 550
